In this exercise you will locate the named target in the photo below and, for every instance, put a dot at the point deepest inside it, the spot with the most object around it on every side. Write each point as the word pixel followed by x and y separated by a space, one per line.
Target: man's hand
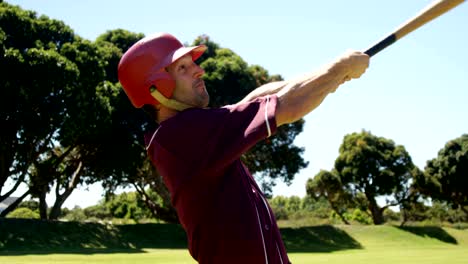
pixel 351 65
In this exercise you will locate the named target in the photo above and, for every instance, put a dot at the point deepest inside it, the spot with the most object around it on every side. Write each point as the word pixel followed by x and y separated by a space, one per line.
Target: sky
pixel 415 92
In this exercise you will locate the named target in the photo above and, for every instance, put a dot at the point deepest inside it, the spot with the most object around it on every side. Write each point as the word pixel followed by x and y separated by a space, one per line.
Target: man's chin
pixel 204 97
pixel 206 102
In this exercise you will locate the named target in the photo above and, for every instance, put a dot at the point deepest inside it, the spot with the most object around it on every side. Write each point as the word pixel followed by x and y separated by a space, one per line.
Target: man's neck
pixel 165 113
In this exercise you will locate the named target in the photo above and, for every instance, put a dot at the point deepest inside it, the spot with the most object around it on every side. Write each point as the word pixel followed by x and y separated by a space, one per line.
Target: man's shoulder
pixel 192 121
pixel 196 115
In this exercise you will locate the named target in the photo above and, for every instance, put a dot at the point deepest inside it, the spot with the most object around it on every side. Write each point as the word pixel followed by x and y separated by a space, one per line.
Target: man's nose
pixel 198 73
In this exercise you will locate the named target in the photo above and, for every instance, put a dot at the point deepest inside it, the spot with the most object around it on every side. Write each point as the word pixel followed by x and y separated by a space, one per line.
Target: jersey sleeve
pixel 208 140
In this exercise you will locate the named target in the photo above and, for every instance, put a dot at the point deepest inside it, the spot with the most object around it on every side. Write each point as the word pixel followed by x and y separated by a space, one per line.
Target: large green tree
pixel 54 109
pixel 30 100
pixel 375 167
pixel 114 43
pixel 446 177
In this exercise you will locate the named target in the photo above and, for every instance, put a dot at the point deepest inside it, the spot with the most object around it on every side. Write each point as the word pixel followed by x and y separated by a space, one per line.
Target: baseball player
pixel 197 149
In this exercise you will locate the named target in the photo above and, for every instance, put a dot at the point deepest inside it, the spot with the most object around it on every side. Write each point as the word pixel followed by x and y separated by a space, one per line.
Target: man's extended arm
pixel 299 96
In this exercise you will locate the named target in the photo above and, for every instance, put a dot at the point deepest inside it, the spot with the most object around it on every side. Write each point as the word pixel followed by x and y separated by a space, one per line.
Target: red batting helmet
pixel 143 65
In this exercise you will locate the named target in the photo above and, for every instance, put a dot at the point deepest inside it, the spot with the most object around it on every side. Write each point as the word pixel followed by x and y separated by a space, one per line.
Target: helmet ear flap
pixel 164 83
pixel 162 88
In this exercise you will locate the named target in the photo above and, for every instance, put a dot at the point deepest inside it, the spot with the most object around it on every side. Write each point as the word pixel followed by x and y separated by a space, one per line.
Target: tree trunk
pixel 157 184
pixel 7 150
pixel 61 198
pixel 59 201
pixel 148 175
pixel 14 188
pixel 377 213
pixel 405 213
pixel 43 203
pixel 341 216
pixel 15 204
pixel 338 212
pixel 56 208
pixel 167 214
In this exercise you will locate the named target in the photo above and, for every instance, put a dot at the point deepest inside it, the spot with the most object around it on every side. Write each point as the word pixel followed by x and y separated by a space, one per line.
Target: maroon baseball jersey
pixel 224 213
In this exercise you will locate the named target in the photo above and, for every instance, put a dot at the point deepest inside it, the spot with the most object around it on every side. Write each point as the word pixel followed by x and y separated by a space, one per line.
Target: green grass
pixel 150 256
pixel 27 241
pixel 388 244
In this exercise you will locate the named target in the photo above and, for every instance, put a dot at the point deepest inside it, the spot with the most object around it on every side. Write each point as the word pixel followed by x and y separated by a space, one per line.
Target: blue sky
pixel 415 92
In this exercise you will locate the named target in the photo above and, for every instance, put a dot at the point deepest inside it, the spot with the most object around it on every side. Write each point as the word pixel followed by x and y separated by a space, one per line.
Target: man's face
pixel 190 88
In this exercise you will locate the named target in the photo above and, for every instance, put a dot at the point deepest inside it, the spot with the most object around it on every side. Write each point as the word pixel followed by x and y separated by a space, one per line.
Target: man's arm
pixel 266 89
pixel 299 96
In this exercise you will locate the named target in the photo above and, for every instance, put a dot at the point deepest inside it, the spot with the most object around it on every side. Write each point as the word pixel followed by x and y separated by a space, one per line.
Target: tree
pixel 328 185
pixel 54 117
pixel 294 204
pixel 71 156
pixel 114 43
pixel 229 79
pixel 446 177
pixel 374 166
pixel 411 200
pixel 120 38
pixel 414 211
pixel 30 104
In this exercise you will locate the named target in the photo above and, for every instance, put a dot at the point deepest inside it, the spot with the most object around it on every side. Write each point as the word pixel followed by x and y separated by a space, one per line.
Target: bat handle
pixel 379 46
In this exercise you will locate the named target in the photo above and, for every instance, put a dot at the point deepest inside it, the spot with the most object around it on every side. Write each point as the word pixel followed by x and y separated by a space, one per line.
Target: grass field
pixel 156 243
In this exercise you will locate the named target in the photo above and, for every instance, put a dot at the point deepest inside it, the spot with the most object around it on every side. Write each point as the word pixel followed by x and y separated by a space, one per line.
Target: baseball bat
pixel 432 11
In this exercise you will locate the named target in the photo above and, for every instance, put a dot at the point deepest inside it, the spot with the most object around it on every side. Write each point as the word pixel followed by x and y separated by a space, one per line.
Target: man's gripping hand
pixel 351 65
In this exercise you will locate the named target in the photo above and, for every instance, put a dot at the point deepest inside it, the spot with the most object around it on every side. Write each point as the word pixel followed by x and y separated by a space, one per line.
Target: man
pixel 196 150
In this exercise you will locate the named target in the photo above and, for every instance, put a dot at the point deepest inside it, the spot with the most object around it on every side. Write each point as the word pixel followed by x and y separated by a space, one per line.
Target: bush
pixel 359 216
pixel 23 213
pixel 76 214
pixel 280 213
pixel 31 204
pixel 279 206
pixel 440 211
pixel 99 211
pixel 295 208
pixel 128 206
pixel 461 226
pixel 390 215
